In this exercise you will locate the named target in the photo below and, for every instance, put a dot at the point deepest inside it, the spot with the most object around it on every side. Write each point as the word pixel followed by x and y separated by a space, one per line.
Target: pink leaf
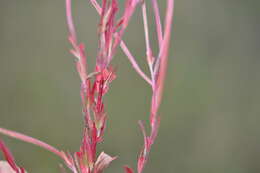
pixel 102 162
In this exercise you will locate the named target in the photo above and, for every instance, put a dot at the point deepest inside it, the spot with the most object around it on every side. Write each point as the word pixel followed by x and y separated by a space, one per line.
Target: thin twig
pixel 149 55
pixel 146 30
pixel 134 63
pixel 157 21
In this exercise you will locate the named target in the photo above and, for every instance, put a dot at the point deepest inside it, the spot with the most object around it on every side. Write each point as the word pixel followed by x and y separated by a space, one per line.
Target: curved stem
pixel 31 140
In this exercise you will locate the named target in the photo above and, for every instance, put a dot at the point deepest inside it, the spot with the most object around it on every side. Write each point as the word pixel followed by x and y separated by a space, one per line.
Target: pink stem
pixel 158 90
pixel 158 21
pixel 70 20
pixel 146 30
pixel 147 42
pixel 31 140
pixel 96 5
pixel 134 63
pixel 163 55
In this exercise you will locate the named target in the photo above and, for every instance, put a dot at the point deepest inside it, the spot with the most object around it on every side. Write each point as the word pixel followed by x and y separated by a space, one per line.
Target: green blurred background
pixel 210 111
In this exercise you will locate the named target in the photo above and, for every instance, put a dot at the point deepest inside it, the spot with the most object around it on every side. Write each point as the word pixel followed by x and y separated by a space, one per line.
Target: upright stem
pixel 158 76
pixel 163 55
pixel 70 20
pixel 149 55
pixel 146 30
pixel 157 21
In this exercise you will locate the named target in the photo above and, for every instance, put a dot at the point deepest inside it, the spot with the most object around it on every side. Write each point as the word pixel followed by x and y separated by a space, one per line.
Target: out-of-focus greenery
pixel 210 113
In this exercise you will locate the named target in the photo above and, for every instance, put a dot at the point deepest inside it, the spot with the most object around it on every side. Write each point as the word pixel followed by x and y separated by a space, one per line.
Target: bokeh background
pixel 210 111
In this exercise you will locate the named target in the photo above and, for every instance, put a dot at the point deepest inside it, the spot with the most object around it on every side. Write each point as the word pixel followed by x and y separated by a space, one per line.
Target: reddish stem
pixel 31 140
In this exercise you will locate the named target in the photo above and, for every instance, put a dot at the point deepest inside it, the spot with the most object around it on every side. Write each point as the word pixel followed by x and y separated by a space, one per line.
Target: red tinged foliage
pixel 95 85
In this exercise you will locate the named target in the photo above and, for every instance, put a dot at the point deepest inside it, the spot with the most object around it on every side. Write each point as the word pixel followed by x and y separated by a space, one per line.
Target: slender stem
pixel 146 30
pixel 163 55
pixel 159 74
pixel 147 42
pixel 134 63
pixel 31 140
pixel 157 21
pixel 70 20
pixel 96 5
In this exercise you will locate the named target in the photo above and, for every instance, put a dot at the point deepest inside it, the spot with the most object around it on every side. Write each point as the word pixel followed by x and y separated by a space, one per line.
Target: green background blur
pixel 210 110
